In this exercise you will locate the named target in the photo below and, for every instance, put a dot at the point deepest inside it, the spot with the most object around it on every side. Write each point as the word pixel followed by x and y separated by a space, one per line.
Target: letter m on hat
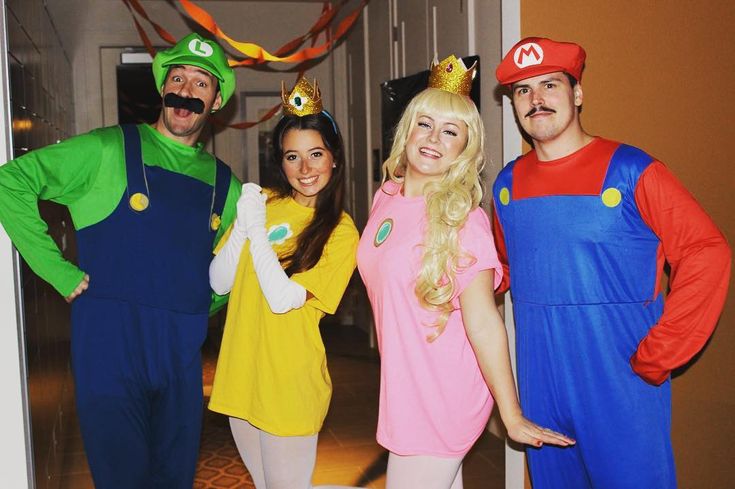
pixel 528 54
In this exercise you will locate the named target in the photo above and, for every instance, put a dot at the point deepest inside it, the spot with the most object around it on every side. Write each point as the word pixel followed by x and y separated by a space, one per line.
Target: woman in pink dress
pixel 429 264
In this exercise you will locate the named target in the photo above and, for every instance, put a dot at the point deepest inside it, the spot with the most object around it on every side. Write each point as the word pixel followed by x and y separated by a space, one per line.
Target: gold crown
pixel 451 75
pixel 304 99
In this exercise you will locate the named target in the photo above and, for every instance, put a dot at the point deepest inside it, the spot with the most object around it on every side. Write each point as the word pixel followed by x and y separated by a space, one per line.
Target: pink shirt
pixel 433 397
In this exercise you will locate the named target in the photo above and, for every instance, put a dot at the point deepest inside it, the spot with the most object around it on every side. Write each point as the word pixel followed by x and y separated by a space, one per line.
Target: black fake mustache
pixel 177 102
pixel 539 108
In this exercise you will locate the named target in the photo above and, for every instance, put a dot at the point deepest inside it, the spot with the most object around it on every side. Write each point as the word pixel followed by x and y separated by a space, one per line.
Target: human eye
pixel 316 155
pixel 550 85
pixel 177 78
pixel 450 132
pixel 290 157
pixel 424 124
pixel 521 90
pixel 202 84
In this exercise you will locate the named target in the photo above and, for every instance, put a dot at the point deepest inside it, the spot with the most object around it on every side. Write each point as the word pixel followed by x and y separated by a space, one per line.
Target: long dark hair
pixel 329 201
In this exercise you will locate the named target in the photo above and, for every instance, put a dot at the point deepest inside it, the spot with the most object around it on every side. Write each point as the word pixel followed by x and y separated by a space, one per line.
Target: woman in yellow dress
pixel 286 261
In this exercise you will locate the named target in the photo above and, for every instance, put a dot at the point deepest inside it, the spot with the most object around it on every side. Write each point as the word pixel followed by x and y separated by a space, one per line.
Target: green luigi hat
pixel 197 51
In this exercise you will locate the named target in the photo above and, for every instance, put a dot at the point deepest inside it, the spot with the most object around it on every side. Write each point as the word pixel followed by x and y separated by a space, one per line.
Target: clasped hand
pixel 251 210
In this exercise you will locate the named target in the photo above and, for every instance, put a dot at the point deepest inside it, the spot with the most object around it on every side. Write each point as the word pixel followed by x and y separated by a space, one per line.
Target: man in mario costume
pixel 583 226
pixel 148 204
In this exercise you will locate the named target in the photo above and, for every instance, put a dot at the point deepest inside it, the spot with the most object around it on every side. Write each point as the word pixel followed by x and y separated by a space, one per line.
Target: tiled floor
pixel 347 451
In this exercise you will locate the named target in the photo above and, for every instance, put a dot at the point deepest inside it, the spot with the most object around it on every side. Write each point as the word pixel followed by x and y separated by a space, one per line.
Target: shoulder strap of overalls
pixel 136 183
pixel 221 186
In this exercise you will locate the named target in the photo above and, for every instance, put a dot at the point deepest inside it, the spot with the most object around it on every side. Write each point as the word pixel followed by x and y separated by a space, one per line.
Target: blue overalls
pixel 138 329
pixel 583 271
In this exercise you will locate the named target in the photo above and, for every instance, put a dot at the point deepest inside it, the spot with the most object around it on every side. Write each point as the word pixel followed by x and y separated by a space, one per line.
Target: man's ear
pixel 578 95
pixel 217 101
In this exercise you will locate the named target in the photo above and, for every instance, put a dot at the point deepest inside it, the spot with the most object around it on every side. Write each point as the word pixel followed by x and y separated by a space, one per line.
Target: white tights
pixel 276 462
pixel 426 472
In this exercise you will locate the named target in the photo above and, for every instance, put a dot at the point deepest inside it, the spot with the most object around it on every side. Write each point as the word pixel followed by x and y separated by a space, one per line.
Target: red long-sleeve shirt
pixel 690 242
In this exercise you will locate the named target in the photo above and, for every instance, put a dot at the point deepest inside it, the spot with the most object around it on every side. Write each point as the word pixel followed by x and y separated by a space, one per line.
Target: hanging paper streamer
pixel 256 55
pixel 286 48
pixel 325 19
pixel 143 36
pixel 248 124
pixel 165 35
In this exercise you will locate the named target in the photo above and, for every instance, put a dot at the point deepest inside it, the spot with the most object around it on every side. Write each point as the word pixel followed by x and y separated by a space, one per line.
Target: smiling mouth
pixel 309 180
pixel 429 152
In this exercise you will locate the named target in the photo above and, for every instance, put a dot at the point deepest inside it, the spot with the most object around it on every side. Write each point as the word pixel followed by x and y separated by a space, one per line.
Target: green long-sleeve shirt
pixel 87 174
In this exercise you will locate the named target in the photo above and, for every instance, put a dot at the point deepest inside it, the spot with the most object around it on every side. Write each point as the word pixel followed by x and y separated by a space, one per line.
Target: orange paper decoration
pixel 255 53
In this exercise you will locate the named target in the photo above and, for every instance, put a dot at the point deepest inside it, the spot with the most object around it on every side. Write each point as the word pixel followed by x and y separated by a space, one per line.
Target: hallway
pixel 347 451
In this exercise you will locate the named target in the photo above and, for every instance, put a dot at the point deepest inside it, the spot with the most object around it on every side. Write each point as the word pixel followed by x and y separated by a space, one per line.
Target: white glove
pixel 250 191
pixel 282 293
pixel 224 265
pixel 251 209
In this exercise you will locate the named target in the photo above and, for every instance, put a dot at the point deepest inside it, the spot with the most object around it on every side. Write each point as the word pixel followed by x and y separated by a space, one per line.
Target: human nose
pixel 434 135
pixel 536 98
pixel 185 90
pixel 304 168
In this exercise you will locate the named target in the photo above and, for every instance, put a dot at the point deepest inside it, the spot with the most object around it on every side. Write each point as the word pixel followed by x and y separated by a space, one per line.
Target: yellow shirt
pixel 272 369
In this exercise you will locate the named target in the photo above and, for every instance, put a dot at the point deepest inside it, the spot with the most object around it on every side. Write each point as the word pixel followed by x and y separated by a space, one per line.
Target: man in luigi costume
pixel 148 204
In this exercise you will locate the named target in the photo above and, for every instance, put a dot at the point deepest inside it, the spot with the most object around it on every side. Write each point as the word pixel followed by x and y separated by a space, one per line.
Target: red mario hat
pixel 535 56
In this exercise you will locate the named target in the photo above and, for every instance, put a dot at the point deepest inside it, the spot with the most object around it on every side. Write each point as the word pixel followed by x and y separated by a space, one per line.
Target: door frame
pixel 16 462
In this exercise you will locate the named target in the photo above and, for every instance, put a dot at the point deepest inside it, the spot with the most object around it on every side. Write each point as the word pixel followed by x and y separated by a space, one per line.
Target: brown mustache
pixel 539 108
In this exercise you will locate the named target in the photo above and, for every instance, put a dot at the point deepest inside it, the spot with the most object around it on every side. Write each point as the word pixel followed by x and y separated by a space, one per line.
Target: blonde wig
pixel 448 201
